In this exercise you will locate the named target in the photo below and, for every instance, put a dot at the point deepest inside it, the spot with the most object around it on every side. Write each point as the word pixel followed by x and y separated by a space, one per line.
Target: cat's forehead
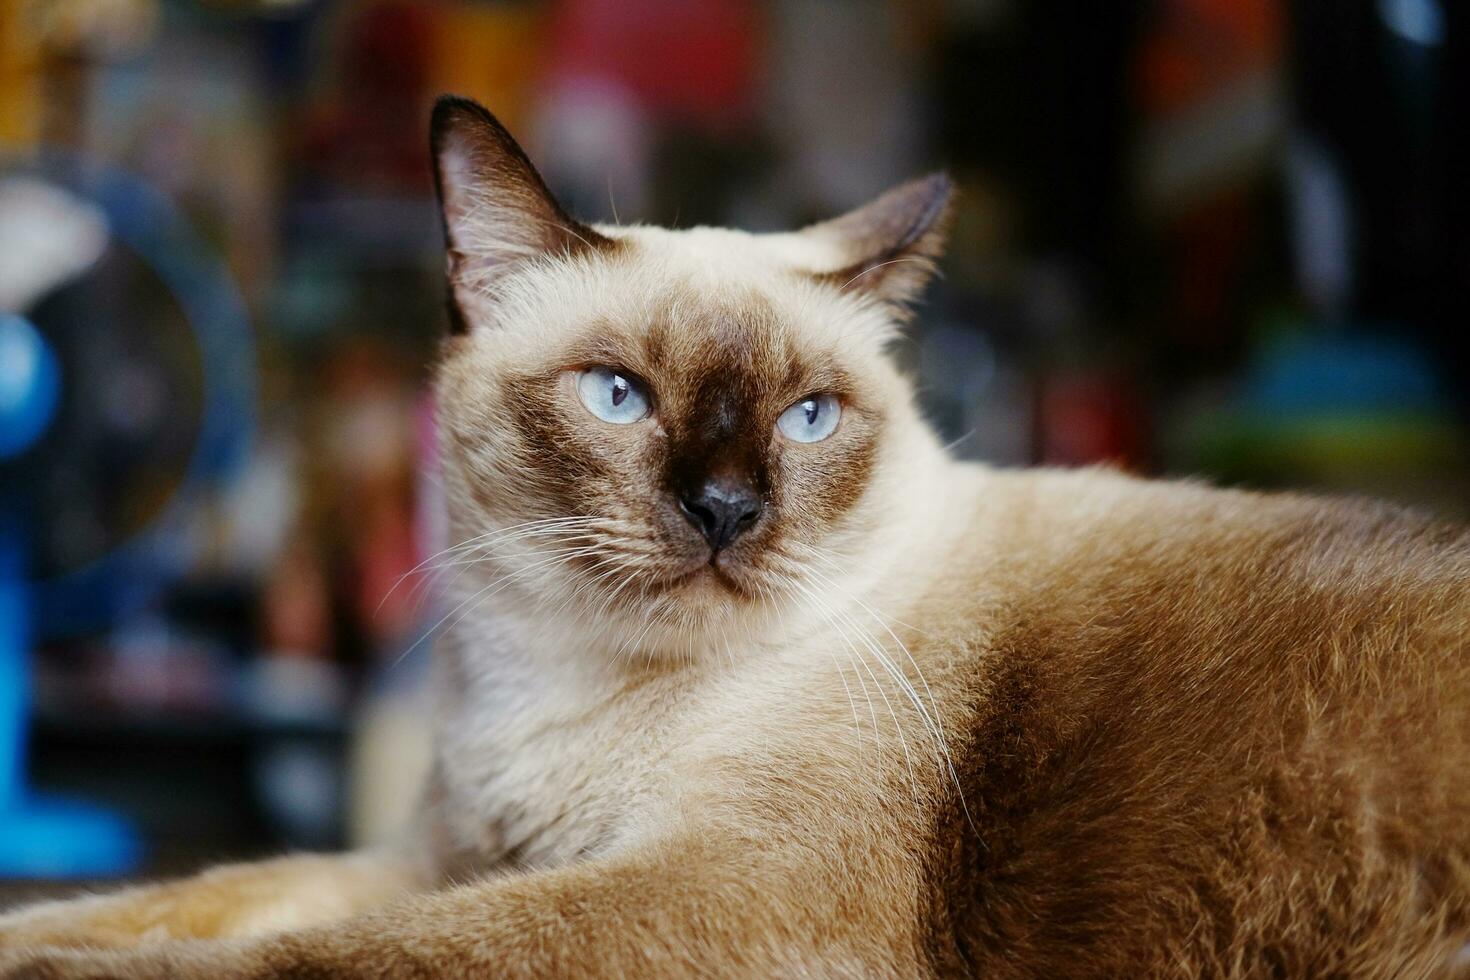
pixel 729 252
pixel 698 301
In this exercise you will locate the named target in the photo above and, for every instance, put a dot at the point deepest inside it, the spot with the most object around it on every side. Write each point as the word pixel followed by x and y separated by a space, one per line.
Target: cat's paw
pixel 28 928
pixel 46 963
pixel 93 921
pixel 182 960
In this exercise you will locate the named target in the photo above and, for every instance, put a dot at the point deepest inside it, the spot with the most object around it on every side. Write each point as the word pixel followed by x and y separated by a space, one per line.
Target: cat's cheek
pixel 823 482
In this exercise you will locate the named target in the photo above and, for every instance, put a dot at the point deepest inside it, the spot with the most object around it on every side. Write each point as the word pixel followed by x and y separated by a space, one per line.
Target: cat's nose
pixel 722 510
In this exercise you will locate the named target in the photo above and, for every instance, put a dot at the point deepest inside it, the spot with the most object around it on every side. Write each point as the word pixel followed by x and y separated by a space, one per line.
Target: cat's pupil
pixel 619 391
pixel 811 409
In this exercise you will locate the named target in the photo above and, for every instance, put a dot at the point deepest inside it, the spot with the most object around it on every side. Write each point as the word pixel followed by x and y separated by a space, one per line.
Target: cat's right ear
pixel 888 247
pixel 497 211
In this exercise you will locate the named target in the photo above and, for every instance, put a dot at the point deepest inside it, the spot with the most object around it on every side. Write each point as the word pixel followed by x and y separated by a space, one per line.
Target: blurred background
pixel 1224 238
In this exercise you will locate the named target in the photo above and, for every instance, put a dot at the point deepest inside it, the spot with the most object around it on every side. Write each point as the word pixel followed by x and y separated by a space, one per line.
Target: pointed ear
pixel 888 247
pixel 497 211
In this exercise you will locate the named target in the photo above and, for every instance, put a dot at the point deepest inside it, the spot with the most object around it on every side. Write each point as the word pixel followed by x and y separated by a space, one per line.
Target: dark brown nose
pixel 722 509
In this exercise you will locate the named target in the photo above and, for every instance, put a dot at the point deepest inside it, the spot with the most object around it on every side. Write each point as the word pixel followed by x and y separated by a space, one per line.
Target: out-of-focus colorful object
pixel 1210 90
pixel 80 219
pixel 1352 407
pixel 29 384
pixel 142 221
pixel 42 42
pixel 1087 417
pixel 20 88
pixel 690 60
pixel 40 836
pixel 489 52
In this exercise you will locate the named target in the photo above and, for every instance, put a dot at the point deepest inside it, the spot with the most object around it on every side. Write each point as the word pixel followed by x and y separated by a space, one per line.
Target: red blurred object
pixel 1199 47
pixel 694 60
pixel 367 136
pixel 1090 418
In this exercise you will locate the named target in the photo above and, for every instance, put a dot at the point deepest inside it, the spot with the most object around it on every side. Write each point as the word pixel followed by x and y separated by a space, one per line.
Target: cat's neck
pixel 533 716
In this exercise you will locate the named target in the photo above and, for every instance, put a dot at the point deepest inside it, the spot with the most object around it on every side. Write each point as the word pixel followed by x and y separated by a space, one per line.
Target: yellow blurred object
pixel 35 33
pixel 20 75
pixel 98 28
pixel 488 53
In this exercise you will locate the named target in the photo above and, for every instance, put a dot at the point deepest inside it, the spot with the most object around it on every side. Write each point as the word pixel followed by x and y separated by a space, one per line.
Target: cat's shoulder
pixel 1106 500
pixel 1096 525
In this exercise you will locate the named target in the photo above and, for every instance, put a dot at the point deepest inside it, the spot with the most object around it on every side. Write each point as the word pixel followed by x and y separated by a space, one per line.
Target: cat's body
pixel 1197 735
pixel 909 717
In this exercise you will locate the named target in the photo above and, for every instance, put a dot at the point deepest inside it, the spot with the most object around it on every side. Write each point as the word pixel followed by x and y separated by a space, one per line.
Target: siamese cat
pixel 743 676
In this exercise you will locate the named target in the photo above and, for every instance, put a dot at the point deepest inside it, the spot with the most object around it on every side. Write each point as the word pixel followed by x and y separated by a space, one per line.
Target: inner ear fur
pixel 497 212
pixel 890 245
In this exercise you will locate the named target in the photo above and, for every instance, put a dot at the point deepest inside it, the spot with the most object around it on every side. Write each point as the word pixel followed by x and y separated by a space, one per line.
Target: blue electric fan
pixel 56 220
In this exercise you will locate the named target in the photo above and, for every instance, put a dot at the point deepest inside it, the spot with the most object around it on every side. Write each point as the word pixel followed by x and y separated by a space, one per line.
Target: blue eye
pixel 811 419
pixel 611 396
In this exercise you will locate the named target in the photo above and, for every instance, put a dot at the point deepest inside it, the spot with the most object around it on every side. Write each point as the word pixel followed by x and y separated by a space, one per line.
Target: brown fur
pixel 1220 744
pixel 1130 728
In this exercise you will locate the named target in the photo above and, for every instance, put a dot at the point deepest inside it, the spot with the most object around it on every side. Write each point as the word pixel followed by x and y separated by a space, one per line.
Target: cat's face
pixel 669 432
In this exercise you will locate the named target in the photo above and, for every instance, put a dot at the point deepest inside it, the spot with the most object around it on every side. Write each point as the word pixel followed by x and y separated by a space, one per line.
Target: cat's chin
pixel 714 581
pixel 692 609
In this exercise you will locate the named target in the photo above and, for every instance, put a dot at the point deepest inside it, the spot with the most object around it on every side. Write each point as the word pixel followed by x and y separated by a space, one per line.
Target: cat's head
pixel 676 434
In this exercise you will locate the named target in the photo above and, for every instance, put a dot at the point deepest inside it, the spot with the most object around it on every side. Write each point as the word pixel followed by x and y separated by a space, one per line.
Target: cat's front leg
pixel 150 961
pixel 691 907
pixel 232 901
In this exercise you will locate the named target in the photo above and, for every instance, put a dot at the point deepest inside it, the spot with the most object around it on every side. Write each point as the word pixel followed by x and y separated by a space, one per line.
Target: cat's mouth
pixel 718 574
pixel 722 574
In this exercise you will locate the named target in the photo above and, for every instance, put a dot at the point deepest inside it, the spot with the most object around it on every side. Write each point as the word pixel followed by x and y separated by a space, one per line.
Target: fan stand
pixel 40 836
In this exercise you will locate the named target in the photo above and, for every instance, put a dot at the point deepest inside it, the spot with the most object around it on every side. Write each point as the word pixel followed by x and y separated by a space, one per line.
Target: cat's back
pixel 1097 548
pixel 1213 732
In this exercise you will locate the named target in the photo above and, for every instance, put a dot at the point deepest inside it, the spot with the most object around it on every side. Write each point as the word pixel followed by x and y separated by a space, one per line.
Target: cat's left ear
pixel 888 247
pixel 498 213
